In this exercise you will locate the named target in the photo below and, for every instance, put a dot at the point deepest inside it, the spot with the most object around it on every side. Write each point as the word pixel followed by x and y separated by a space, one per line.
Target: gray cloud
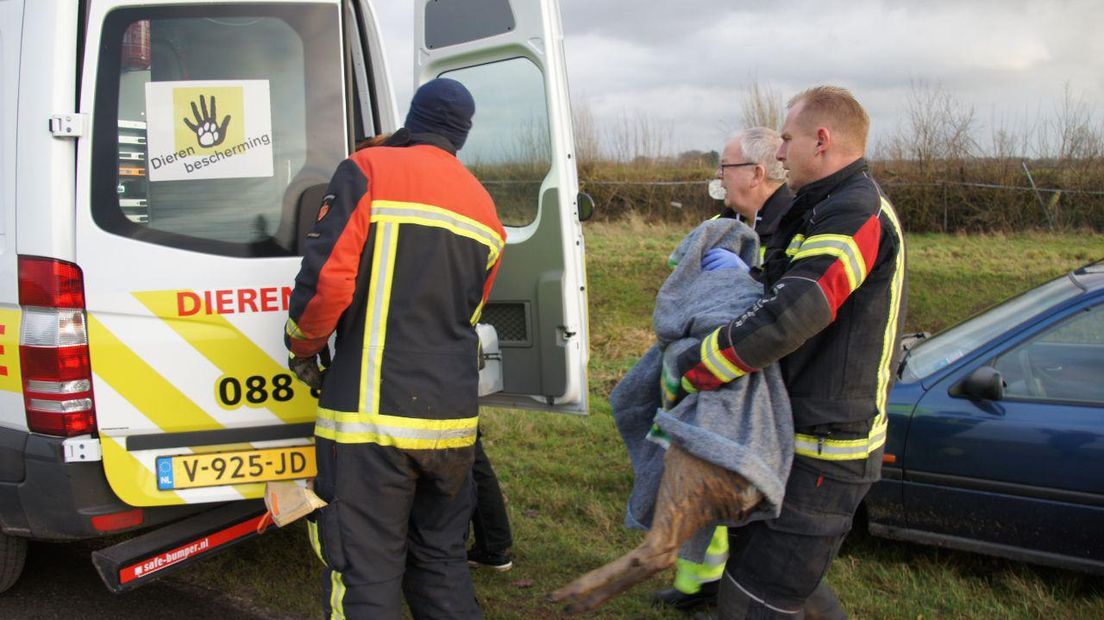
pixel 686 64
pixel 1005 59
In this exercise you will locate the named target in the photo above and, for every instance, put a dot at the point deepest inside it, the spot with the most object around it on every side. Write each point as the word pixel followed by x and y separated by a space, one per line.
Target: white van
pixel 159 163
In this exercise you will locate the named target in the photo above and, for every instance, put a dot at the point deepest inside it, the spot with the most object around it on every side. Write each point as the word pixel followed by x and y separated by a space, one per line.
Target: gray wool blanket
pixel 745 427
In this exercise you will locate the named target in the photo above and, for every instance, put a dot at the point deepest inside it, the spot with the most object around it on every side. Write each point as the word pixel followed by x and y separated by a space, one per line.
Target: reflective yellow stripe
pixel 375 319
pixel 842 247
pixel 398 431
pixel 717 363
pixel 312 533
pixel 691 575
pixel 428 215
pixel 337 583
pixel 716 554
pixel 842 449
pixel 890 337
pixel 478 312
pixel 795 245
pixel 337 596
pixel 154 396
pixel 165 406
pixel 229 350
pixel 11 379
pixel 291 328
pixel 389 216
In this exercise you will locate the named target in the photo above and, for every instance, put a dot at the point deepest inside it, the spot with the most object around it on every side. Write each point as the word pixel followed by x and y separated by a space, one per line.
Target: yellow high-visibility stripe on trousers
pixel 691 575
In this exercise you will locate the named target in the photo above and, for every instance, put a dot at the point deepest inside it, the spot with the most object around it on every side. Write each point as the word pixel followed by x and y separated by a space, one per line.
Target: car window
pixel 509 148
pixel 933 353
pixel 220 118
pixel 1064 363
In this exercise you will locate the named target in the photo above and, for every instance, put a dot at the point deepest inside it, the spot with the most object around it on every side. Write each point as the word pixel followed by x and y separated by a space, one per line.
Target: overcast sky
pixel 686 64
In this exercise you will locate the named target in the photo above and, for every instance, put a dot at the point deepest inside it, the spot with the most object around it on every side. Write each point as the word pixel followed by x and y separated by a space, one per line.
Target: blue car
pixel 996 431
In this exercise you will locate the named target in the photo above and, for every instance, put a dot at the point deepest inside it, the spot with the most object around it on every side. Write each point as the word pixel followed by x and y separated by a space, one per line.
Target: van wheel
pixel 13 553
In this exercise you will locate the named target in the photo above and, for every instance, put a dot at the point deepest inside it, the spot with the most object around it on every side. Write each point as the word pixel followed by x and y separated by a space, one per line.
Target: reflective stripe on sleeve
pixel 716 361
pixel 841 247
pixel 292 330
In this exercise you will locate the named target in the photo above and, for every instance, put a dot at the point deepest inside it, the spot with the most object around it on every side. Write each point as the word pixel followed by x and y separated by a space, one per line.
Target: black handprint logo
pixel 207 130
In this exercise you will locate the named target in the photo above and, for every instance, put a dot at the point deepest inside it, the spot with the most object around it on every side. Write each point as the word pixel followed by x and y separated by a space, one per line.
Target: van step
pixel 142 559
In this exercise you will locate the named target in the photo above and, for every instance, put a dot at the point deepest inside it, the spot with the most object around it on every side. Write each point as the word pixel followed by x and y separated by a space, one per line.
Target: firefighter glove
pixel 307 369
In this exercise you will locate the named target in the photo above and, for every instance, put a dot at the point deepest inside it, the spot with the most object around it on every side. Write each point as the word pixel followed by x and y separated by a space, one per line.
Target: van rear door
pixel 509 53
pixel 215 127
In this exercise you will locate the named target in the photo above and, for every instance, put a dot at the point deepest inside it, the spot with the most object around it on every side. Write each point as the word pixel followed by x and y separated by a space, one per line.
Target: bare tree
pixel 1078 138
pixel 938 127
pixel 636 136
pixel 762 106
pixel 588 140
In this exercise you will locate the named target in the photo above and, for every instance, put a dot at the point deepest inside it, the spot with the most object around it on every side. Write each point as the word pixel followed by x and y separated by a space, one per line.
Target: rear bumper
pixel 45 498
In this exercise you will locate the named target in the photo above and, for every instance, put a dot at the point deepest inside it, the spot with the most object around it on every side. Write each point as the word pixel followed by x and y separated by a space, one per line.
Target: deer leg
pixel 692 494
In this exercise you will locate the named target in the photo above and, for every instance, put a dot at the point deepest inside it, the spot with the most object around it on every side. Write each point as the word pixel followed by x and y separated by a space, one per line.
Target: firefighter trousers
pixel 774 566
pixel 395 526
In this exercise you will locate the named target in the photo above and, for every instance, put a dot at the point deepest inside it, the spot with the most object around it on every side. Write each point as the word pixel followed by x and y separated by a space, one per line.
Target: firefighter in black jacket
pixel 832 316
pixel 400 263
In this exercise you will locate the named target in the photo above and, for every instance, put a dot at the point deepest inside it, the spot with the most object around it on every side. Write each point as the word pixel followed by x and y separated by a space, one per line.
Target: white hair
pixel 760 145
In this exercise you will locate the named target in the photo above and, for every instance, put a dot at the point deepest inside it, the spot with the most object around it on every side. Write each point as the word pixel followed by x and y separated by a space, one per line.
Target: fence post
pixel 944 184
pixel 1039 197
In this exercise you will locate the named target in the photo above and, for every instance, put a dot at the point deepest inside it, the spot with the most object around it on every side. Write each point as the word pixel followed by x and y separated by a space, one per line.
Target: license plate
pixel 219 468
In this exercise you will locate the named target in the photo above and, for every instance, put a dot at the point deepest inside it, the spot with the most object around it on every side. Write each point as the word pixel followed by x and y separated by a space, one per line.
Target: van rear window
pixel 215 125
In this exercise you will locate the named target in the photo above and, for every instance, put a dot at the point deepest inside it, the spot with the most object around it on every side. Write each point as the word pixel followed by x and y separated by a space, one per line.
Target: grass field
pixel 567 478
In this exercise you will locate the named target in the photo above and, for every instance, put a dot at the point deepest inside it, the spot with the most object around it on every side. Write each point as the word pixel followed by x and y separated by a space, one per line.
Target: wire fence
pixel 923 206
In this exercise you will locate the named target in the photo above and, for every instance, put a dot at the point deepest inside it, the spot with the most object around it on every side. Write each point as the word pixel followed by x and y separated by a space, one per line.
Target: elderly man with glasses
pixel 752 183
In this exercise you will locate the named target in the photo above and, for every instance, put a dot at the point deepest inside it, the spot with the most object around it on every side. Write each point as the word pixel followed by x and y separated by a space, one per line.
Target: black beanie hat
pixel 444 107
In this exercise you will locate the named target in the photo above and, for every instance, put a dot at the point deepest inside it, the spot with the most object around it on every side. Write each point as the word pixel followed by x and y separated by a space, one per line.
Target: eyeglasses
pixel 723 165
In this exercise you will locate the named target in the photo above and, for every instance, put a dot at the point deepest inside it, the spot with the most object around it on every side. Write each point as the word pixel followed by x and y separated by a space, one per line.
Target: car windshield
pixel 931 354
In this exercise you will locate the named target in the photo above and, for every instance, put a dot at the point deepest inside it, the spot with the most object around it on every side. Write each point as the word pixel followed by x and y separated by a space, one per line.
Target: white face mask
pixel 716 190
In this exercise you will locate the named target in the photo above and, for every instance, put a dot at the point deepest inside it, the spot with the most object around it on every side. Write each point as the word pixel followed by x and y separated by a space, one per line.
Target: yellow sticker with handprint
pixel 215 129
pixel 208 118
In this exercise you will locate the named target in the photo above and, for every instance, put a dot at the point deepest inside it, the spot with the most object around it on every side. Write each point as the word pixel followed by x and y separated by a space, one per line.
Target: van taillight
pixel 53 348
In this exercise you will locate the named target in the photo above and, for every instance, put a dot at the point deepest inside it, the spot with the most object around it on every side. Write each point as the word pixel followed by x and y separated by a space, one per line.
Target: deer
pixel 693 493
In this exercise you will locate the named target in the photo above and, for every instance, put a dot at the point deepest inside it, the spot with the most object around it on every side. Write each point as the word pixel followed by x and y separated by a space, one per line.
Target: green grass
pixel 566 478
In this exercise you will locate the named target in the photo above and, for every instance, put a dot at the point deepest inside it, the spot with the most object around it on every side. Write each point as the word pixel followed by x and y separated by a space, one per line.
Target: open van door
pixel 509 54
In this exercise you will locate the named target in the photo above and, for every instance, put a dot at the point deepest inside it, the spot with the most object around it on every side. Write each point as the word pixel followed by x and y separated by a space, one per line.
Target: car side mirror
pixel 985 383
pixel 586 206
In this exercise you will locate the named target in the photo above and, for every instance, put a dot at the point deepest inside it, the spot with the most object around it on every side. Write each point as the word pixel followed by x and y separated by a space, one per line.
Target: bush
pixel 966 196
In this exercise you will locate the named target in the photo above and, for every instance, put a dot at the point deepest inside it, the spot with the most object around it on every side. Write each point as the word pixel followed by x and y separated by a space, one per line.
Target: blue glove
pixel 720 258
